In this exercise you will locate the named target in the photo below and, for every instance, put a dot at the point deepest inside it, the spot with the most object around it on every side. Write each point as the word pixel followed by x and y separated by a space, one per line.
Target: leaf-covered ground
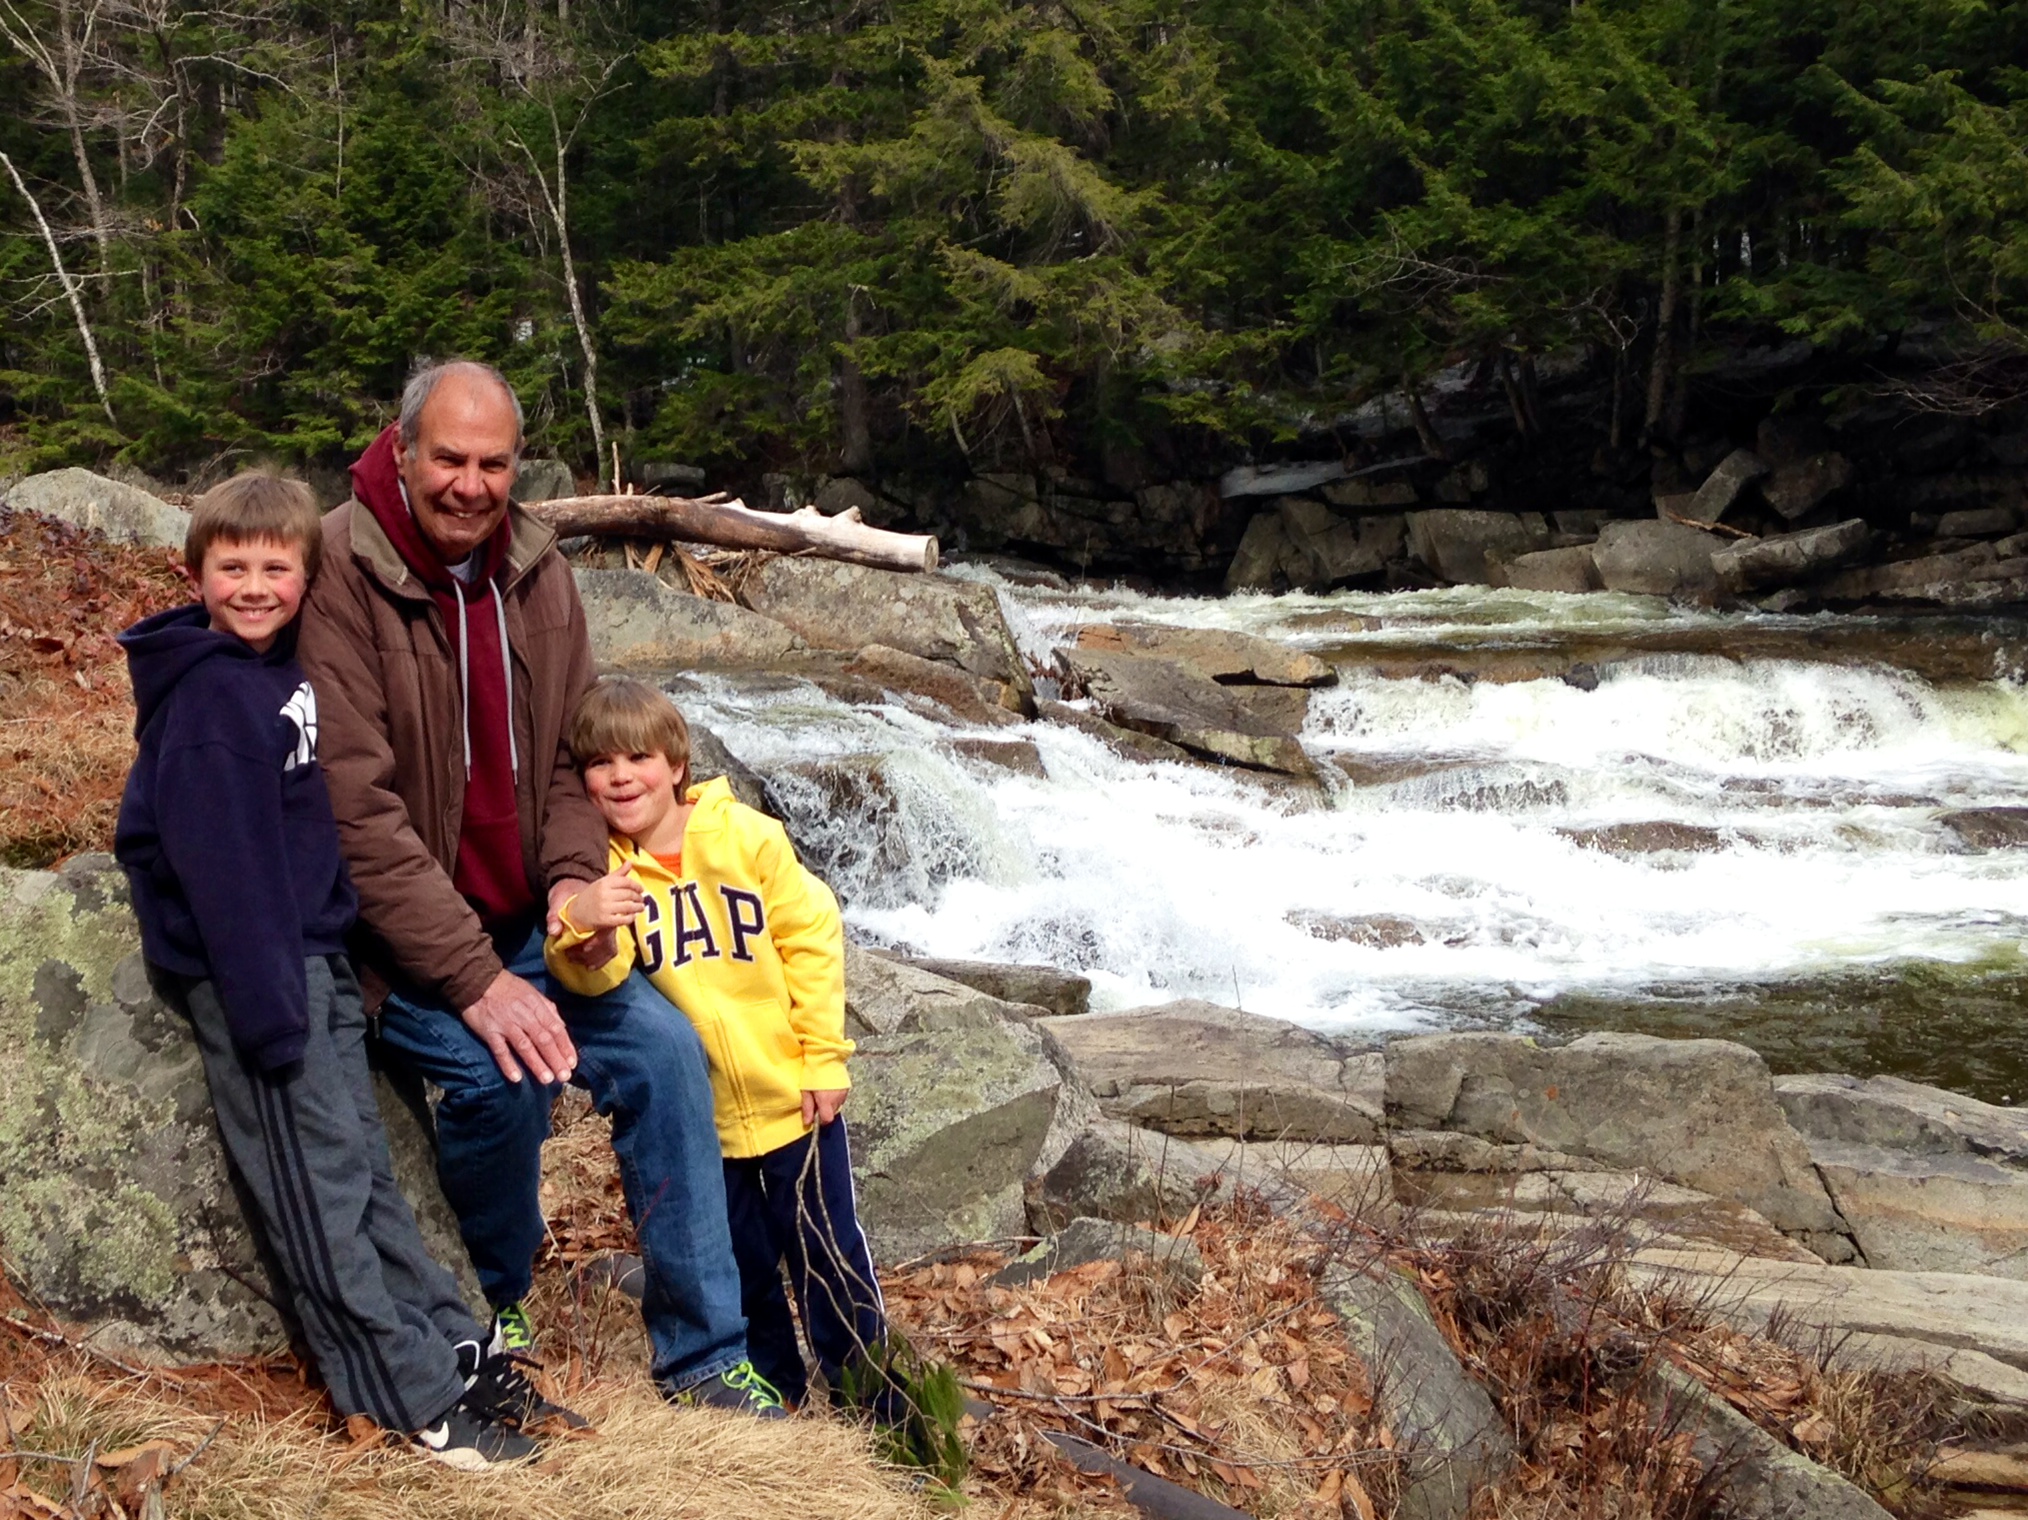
pixel 66 709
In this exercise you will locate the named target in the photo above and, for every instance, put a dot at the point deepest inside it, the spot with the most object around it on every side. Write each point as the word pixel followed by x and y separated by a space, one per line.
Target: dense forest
pixel 830 235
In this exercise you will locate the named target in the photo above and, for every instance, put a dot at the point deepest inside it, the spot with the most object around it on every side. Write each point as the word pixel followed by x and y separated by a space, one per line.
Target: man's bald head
pixel 458 448
pixel 468 380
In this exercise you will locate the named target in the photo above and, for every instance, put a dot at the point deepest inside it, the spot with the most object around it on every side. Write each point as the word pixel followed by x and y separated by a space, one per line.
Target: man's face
pixel 462 466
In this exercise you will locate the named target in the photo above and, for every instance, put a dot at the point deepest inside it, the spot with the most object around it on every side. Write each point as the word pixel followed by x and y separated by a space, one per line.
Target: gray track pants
pixel 380 1315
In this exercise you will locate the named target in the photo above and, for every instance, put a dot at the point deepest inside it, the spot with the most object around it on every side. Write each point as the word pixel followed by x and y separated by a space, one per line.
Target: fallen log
pixel 730 522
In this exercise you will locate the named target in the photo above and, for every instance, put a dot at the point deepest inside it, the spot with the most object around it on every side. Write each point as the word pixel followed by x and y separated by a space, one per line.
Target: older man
pixel 448 648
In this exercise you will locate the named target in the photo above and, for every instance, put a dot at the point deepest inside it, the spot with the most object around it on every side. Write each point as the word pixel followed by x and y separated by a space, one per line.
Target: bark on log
pixel 734 525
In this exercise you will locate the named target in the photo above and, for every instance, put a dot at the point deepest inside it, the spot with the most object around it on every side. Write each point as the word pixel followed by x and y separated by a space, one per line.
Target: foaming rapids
pixel 1477 848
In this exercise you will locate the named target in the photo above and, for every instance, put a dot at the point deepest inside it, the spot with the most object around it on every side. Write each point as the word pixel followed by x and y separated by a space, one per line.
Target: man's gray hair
pixel 424 382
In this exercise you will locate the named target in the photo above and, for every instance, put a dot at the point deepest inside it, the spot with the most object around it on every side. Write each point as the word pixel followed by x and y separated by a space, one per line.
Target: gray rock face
pixel 543 480
pixel 1459 544
pixel 1370 495
pixel 1117 1171
pixel 1555 570
pixel 638 622
pixel 1058 993
pixel 1214 653
pixel 1760 1478
pixel 1985 575
pixel 839 606
pixel 1193 1068
pixel 1656 558
pixel 1259 555
pixel 1444 1422
pixel 116 1205
pixel 1697 1112
pixel 969 697
pixel 1163 698
pixel 1798 488
pixel 123 513
pixel 709 757
pixel 887 995
pixel 1905 1116
pixel 1325 550
pixel 1928 1180
pixel 1989 828
pixel 1723 487
pixel 950 1123
pixel 1787 558
pixel 1978 522
pixel 1129 743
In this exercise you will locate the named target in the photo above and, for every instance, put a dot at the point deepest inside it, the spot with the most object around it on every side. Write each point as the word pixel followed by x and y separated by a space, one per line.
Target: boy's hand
pixel 516 1020
pixel 596 951
pixel 612 902
pixel 821 1105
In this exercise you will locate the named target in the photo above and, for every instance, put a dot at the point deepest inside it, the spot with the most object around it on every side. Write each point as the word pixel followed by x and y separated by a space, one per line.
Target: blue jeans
pixel 645 1069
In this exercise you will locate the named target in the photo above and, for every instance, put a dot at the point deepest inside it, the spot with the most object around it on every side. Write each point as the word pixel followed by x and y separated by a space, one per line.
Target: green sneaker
pixel 739 1388
pixel 513 1331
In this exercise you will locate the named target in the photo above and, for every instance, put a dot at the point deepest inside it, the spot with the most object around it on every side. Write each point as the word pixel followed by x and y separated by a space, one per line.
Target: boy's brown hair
pixel 619 716
pixel 256 507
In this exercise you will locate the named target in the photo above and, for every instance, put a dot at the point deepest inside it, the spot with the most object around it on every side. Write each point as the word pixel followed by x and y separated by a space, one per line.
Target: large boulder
pixel 1175 704
pixel 123 513
pixel 1463 545
pixel 1053 992
pixel 885 994
pixel 1785 558
pixel 1701 1113
pixel 1798 488
pixel 1990 574
pixel 1192 1068
pixel 1116 1171
pixel 1656 558
pixel 948 1126
pixel 638 622
pixel 1928 1180
pixel 1453 1440
pixel 1217 654
pixel 1724 486
pixel 968 697
pixel 543 480
pixel 117 1208
pixel 1326 550
pixel 1569 570
pixel 839 606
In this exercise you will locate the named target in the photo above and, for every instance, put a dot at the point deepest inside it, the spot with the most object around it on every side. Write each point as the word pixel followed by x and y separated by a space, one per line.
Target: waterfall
pixel 1479 847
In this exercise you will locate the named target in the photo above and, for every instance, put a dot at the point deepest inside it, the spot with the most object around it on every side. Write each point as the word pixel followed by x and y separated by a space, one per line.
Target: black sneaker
pixel 739 1388
pixel 471 1442
pixel 497 1386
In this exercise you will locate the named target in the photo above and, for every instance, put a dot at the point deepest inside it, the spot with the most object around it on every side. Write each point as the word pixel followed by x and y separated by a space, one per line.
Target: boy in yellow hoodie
pixel 706 895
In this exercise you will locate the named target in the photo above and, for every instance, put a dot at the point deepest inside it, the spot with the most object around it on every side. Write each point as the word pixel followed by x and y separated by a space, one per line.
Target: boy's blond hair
pixel 619 716
pixel 256 507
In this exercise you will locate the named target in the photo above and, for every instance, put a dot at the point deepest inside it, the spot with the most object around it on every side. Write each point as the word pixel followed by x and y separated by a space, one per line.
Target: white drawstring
pixel 464 676
pixel 507 670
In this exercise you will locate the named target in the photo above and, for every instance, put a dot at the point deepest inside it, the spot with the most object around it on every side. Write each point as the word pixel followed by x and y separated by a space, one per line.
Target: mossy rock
pixel 117 1210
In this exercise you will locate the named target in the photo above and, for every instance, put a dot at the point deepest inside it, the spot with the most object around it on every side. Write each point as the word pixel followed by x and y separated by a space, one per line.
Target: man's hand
pixel 612 902
pixel 517 1021
pixel 821 1104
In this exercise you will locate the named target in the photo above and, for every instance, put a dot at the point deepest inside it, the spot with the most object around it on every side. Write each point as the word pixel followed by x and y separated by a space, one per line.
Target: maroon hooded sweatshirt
pixel 490 871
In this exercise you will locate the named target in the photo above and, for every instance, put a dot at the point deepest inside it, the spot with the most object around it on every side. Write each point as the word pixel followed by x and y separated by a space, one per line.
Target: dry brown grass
pixel 66 710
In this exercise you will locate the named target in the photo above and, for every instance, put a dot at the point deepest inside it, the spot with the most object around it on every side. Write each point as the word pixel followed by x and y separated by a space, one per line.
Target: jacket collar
pixel 527 541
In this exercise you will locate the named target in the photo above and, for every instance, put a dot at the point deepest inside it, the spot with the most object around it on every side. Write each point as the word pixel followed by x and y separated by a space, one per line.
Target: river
pixel 1541 812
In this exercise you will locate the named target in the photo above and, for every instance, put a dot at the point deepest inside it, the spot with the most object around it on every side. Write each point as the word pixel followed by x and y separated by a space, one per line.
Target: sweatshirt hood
pixel 163 649
pixel 712 800
pixel 376 485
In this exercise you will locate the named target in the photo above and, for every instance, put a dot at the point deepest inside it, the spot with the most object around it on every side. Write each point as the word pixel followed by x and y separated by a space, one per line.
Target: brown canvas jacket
pixel 390 736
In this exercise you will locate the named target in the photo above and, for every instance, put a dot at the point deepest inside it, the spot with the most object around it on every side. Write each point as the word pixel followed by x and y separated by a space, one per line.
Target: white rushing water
pixel 1438 877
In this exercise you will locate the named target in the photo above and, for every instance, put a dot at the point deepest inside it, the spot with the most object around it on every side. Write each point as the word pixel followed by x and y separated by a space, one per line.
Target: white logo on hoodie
pixel 301 710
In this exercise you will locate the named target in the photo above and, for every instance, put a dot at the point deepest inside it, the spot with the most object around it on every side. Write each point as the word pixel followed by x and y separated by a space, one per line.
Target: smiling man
pixel 448 651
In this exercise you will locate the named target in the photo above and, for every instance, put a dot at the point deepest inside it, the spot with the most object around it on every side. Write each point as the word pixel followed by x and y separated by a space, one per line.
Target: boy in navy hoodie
pixel 227 835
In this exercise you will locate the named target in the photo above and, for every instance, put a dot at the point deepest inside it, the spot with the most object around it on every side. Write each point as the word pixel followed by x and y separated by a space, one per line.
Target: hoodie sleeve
pixel 809 937
pixel 219 805
pixel 573 843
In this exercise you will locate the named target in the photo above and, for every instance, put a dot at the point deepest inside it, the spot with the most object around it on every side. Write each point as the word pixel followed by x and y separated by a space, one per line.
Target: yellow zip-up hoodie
pixel 748 943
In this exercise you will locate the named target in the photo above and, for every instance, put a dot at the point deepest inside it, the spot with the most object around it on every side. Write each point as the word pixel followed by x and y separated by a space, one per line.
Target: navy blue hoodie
pixel 226 828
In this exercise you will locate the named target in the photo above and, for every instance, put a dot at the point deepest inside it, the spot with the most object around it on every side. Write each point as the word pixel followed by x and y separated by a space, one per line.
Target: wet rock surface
pixel 1169 701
